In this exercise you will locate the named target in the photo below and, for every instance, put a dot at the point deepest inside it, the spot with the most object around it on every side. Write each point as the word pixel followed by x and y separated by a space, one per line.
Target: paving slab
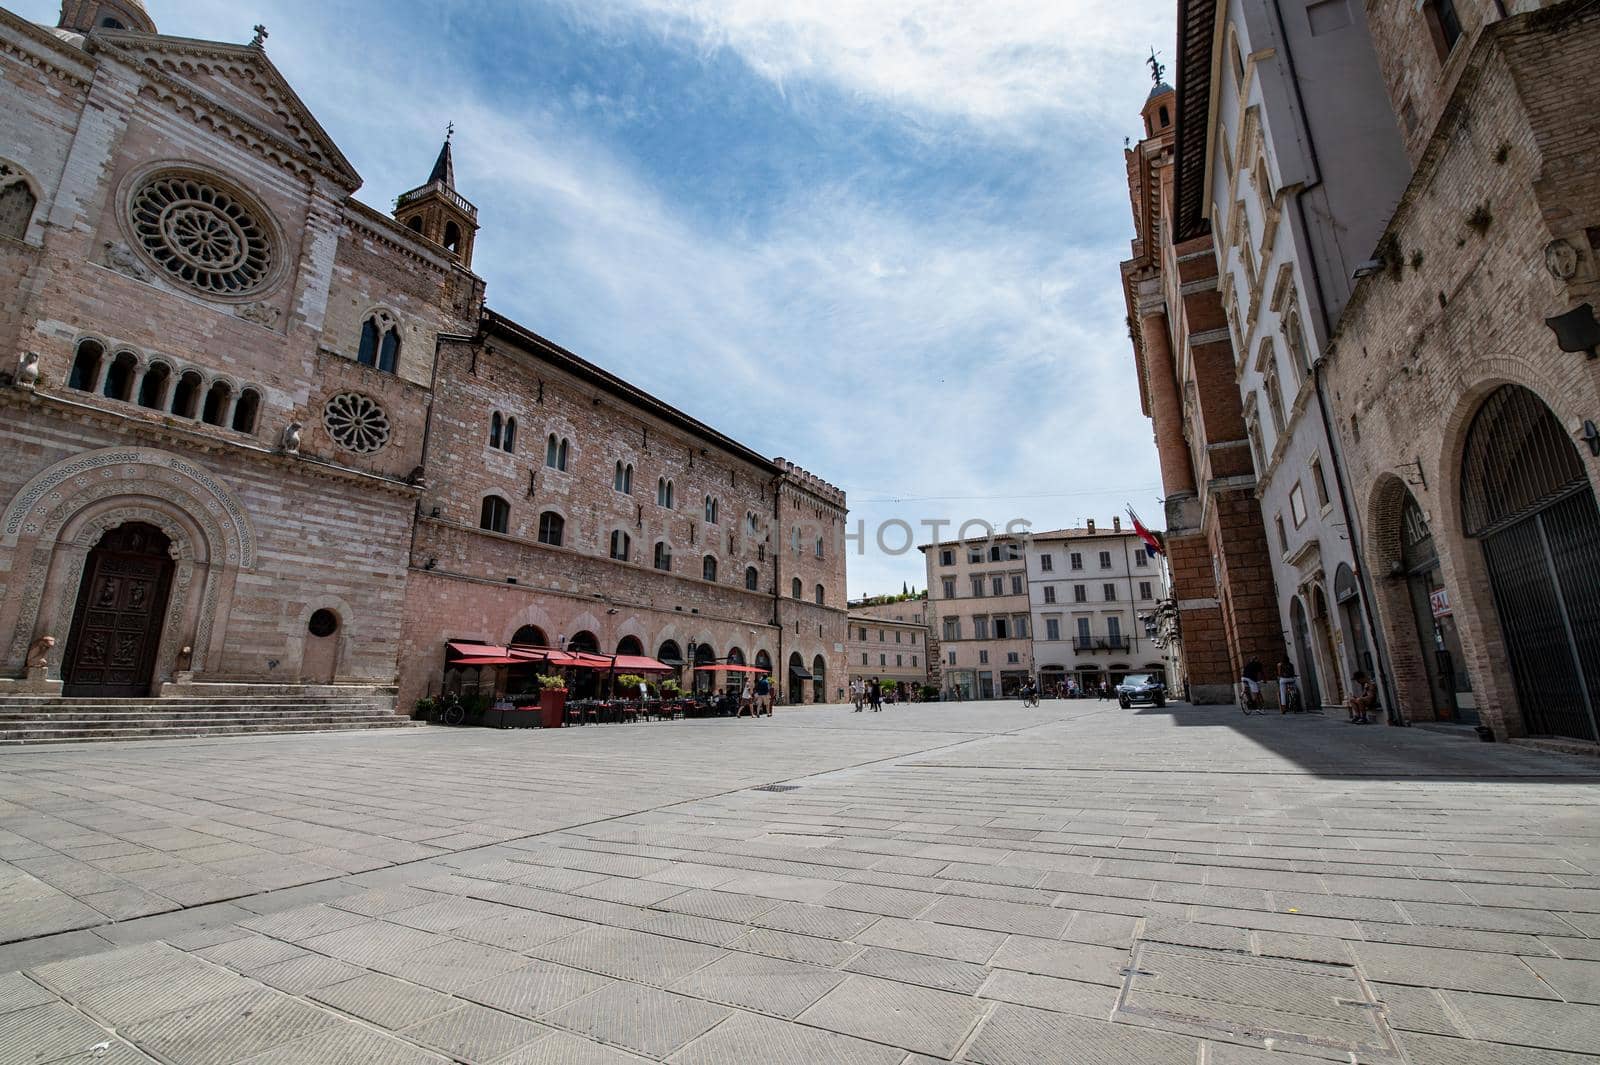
pixel 946 882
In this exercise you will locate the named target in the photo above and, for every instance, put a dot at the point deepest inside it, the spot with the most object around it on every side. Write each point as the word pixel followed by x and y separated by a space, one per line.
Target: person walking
pixel 763 693
pixel 747 700
pixel 858 693
pixel 875 694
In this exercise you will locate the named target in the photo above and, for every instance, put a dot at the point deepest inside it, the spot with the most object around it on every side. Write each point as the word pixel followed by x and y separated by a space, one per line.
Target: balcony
pixel 1095 644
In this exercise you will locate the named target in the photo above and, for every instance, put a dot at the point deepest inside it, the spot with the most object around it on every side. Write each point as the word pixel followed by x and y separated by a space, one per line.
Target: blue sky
pixel 877 237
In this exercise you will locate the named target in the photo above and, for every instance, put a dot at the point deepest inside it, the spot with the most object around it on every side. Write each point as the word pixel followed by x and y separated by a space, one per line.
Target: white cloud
pixel 994 60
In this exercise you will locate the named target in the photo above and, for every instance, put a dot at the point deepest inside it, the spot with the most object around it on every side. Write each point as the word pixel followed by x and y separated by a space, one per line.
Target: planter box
pixel 552 707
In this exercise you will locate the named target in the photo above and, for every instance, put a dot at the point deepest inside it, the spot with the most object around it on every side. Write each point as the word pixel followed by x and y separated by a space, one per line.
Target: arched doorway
pixel 1526 499
pixel 1322 629
pixel 819 680
pixel 1348 597
pixel 797 678
pixel 530 636
pixel 122 601
pixel 763 661
pixel 1300 629
pixel 1450 690
pixel 704 682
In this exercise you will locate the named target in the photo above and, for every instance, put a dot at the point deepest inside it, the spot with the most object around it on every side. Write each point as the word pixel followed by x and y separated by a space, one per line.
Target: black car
pixel 1141 688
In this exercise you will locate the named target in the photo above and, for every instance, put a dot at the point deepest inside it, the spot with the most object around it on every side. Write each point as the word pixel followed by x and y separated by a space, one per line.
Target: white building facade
pixel 1290 180
pixel 1090 592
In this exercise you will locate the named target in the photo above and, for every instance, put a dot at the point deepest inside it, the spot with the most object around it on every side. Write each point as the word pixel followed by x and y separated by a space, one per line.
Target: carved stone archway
pixel 57 517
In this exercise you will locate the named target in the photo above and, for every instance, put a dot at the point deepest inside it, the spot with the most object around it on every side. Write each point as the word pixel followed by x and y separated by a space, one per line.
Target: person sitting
pixel 1363 700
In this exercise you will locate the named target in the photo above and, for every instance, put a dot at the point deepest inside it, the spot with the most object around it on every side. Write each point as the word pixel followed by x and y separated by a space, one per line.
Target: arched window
pixel 555 452
pixel 246 411
pixel 752 578
pixel 153 389
pixel 819 547
pixel 622 479
pixel 109 23
pixel 216 407
pixel 620 545
pixel 186 397
pixel 708 568
pixel 663 556
pixel 510 443
pixel 415 224
pixel 452 237
pixel 496 515
pixel 820 595
pixel 754 521
pixel 630 645
pixel 380 342
pixel 495 428
pixel 551 528
pixel 663 493
pixel 119 379
pixel 795 588
pixel 17 203
pixel 669 653
pixel 1165 116
pixel 711 510
pixel 86 366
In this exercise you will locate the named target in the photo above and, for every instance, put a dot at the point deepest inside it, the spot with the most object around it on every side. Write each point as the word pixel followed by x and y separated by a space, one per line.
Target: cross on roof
pixel 261 36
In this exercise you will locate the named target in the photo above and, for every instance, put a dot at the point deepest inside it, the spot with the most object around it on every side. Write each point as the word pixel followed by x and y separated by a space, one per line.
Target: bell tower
pixel 86 15
pixel 440 213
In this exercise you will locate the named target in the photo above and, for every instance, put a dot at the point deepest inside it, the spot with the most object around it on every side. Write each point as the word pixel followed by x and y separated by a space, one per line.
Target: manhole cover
pixel 1305 1007
pixel 777 787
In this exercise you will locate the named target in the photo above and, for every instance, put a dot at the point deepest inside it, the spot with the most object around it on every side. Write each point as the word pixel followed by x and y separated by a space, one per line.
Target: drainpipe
pixel 1379 646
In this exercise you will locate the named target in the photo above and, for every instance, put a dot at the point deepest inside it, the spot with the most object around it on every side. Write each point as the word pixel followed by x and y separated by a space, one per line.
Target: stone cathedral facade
pixel 252 427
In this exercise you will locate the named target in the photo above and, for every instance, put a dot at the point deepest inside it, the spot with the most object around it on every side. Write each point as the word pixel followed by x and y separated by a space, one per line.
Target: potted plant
pixel 671 689
pixel 425 708
pixel 552 700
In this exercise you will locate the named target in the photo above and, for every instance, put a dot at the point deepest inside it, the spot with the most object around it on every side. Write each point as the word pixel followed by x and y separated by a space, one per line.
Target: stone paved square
pixel 969 883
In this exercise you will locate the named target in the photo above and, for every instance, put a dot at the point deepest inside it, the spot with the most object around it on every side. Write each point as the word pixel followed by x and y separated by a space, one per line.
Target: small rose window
pixel 356 423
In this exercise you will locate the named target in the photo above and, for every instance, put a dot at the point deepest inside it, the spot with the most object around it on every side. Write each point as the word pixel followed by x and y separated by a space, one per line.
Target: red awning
pixel 641 664
pixel 475 650
pixel 585 660
pixel 730 669
pixel 482 661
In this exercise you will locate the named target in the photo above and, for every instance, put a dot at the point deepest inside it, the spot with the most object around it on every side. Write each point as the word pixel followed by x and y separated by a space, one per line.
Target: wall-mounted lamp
pixel 1577 330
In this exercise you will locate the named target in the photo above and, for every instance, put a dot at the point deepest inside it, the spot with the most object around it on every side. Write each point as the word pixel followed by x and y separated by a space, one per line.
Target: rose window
pixel 356 423
pixel 201 235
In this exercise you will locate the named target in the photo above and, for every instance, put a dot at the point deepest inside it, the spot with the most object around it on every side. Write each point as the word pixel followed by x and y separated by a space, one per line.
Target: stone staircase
pixel 42 719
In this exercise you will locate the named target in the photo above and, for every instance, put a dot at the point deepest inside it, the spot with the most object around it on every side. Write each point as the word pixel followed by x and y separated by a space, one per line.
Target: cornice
pixel 396 237
pixel 65 62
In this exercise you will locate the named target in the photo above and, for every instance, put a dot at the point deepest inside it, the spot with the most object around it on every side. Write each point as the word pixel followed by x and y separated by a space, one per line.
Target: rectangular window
pixel 1141 556
pixel 974 556
pixel 983 658
pixel 980 628
pixel 1047 563
pixel 913 639
pixel 1002 629
pixel 1080 593
pixel 1019 626
pixel 952 658
pixel 898 660
pixel 863 658
pixel 1077 560
pixel 1297 505
pixel 1444 24
pixel 952 628
pixel 1144 590
pixel 880 635
pixel 883 660
pixel 863 634
pixel 1319 483
pixel 1016 585
pixel 1111 592
pixel 913 660
pixel 1083 632
pixel 947 557
pixel 977 587
pixel 1049 593
pixel 1012 657
pixel 999 585
pixel 1052 629
pixel 1114 630
pixel 897 635
pixel 1283 537
pixel 949 587
pixel 1105 560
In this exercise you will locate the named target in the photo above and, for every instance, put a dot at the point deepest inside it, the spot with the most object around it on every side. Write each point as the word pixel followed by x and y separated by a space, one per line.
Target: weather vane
pixel 1157 68
pixel 261 36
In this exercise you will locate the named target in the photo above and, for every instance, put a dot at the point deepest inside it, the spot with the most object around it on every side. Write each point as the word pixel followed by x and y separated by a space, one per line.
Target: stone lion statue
pixel 39 652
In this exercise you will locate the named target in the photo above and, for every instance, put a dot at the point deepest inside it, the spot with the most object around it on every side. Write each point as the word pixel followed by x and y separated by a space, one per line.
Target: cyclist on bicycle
pixel 1250 682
